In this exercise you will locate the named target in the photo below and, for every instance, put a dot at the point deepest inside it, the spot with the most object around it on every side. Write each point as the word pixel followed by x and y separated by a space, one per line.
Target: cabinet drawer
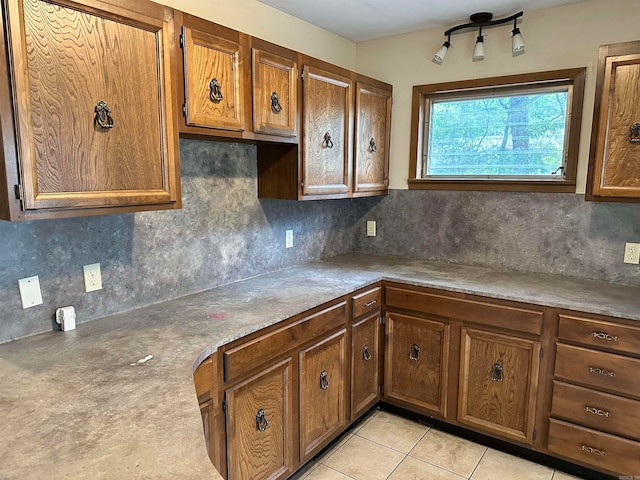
pixel 598 410
pixel 366 302
pixel 621 338
pixel 588 446
pixel 529 321
pixel 598 369
pixel 241 359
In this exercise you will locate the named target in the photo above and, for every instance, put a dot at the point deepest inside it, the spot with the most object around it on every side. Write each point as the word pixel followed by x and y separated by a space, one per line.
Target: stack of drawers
pixel 595 413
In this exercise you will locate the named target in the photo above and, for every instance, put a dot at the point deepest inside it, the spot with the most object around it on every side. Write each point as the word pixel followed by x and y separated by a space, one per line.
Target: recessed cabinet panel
pixel 212 81
pixel 326 153
pixel 259 425
pixel 416 359
pixel 373 123
pixel 94 107
pixel 275 95
pixel 322 392
pixel 498 383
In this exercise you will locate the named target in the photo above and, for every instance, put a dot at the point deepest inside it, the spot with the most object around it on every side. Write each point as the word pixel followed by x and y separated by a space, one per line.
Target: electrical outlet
pixel 288 239
pixel 632 253
pixel 371 228
pixel 92 277
pixel 30 293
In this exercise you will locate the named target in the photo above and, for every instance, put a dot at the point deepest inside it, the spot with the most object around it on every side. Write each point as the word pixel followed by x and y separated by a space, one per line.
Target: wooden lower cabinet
pixel 498 383
pixel 365 364
pixel 260 425
pixel 323 403
pixel 417 356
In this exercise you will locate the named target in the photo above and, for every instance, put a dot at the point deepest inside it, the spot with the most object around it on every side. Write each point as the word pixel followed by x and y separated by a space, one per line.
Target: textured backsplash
pixel 222 234
pixel 534 232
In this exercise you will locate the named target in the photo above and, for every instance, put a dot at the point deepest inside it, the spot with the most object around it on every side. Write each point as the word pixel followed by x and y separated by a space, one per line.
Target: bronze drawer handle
pixel 103 116
pixel 372 145
pixel 605 336
pixel 497 373
pixel 602 371
pixel 415 352
pixel 370 304
pixel 215 91
pixel 596 411
pixel 326 141
pixel 261 421
pixel 324 380
pixel 366 354
pixel 634 133
pixel 595 451
pixel 275 103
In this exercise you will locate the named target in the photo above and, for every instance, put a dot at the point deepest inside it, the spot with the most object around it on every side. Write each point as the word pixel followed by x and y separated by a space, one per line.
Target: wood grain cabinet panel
pixel 614 171
pixel 327 132
pixel 260 425
pixel 68 57
pixel 498 383
pixel 323 382
pixel 275 94
pixel 373 134
pixel 416 360
pixel 600 334
pixel 365 364
pixel 212 81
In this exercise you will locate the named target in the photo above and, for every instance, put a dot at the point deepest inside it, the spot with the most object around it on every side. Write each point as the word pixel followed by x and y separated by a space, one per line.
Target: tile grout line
pixel 486 449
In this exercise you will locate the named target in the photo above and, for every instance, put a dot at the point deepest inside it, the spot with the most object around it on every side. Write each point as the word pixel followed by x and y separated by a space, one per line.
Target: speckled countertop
pixel 78 405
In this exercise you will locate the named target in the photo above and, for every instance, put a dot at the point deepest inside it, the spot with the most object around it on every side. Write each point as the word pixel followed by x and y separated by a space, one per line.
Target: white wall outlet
pixel 632 253
pixel 288 239
pixel 30 291
pixel 371 228
pixel 92 277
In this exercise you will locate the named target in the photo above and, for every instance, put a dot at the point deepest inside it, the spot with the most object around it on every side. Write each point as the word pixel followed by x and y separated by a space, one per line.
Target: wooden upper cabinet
pixel 94 104
pixel 327 132
pixel 372 134
pixel 614 164
pixel 213 81
pixel 498 383
pixel 275 94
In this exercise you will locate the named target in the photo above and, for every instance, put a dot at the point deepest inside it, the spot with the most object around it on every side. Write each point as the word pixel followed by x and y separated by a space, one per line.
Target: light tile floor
pixel 387 447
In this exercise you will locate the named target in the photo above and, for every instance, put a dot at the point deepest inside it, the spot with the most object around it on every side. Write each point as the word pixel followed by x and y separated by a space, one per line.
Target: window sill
pixel 551 186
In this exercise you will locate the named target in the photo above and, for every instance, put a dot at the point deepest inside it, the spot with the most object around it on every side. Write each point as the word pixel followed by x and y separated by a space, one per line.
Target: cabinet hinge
pixel 381 388
pixel 541 352
pixel 382 320
pixel 18 192
pixel 302 184
pixel 224 406
pixel 534 434
pixel 184 109
pixel 181 41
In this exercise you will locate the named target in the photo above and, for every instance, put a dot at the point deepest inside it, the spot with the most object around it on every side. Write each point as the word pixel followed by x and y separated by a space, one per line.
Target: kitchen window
pixel 516 133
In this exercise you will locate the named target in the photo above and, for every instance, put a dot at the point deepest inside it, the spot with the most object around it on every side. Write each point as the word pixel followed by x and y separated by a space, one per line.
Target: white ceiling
pixel 360 20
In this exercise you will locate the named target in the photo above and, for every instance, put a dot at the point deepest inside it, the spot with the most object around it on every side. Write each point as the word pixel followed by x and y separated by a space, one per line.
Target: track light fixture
pixel 482 20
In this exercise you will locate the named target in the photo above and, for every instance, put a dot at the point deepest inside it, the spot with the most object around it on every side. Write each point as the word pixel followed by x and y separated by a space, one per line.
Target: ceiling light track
pixel 482 20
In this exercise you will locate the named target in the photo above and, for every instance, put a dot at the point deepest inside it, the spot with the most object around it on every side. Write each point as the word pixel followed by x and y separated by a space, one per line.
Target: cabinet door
pixel 259 425
pixel 322 392
pixel 498 383
pixel 373 133
pixel 365 357
pixel 616 164
pixel 326 153
pixel 94 104
pixel 416 359
pixel 275 94
pixel 212 77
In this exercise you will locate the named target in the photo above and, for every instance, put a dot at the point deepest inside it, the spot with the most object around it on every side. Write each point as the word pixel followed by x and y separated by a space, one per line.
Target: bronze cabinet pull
pixel 605 336
pixel 597 411
pixel 634 133
pixel 261 421
pixel 497 373
pixel 275 103
pixel 595 451
pixel 415 352
pixel 366 354
pixel 370 304
pixel 602 371
pixel 103 116
pixel 326 141
pixel 324 380
pixel 215 92
pixel 372 146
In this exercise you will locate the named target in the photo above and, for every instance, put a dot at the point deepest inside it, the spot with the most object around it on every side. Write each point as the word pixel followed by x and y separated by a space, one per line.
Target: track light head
pixel 478 51
pixel 517 42
pixel 442 51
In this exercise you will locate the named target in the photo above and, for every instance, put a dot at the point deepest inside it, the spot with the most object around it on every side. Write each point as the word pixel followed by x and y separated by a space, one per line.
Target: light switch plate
pixel 371 228
pixel 92 277
pixel 288 240
pixel 30 291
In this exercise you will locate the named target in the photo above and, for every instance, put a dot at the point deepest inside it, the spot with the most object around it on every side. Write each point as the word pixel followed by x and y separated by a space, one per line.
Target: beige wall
pixel 556 38
pixel 259 20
